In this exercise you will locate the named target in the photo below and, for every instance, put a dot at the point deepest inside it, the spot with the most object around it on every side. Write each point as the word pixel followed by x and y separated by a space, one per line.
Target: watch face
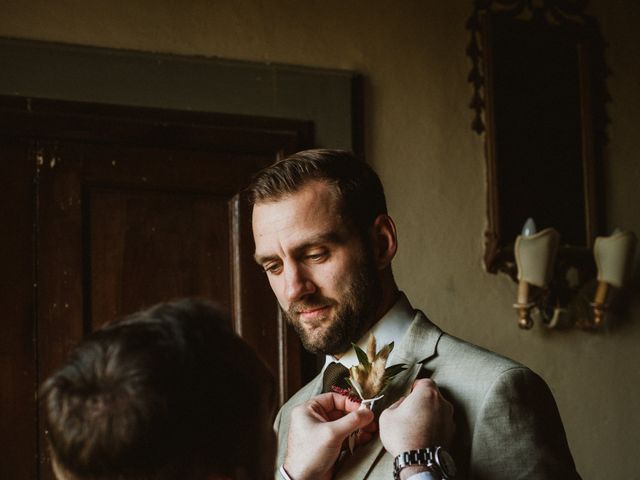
pixel 447 465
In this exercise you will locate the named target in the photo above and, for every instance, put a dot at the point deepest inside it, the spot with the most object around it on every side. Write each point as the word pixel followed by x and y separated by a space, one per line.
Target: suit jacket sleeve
pixel 519 433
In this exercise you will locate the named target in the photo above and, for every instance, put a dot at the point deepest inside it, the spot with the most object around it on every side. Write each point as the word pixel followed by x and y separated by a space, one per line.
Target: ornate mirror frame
pixel 539 79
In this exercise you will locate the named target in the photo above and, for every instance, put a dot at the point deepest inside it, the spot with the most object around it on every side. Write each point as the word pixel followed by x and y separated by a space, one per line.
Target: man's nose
pixel 297 283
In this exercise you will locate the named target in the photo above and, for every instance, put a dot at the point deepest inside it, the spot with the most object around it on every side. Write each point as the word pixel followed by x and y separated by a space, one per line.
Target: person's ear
pixel 384 240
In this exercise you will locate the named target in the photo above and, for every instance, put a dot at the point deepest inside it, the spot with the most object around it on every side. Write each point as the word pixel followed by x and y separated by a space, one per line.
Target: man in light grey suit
pixel 326 242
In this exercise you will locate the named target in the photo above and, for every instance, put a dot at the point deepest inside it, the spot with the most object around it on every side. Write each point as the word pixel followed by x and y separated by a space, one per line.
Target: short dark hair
pixel 166 393
pixel 357 187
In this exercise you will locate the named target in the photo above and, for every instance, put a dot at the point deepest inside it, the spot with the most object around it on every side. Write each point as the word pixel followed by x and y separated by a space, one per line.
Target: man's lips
pixel 313 313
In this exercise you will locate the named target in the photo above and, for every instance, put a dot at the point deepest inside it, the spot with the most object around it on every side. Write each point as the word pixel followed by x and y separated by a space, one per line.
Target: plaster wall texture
pixel 418 137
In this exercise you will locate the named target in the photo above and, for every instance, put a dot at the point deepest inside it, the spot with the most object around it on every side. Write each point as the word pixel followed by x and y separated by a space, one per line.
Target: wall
pixel 418 136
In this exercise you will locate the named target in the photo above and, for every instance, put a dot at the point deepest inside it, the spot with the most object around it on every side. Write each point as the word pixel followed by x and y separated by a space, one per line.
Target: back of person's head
pixel 167 393
pixel 357 187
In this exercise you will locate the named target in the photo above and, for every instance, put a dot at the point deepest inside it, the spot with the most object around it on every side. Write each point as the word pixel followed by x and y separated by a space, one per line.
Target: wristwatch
pixel 436 459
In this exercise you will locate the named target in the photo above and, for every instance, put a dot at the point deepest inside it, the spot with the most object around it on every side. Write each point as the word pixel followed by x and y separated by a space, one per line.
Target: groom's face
pixel 320 270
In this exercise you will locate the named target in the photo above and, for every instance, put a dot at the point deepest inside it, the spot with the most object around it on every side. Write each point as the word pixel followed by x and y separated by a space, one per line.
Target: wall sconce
pixel 535 257
pixel 556 300
pixel 614 259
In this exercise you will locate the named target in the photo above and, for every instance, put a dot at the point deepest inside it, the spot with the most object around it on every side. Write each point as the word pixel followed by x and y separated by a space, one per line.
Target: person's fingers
pixel 425 391
pixel 424 383
pixel 427 394
pixel 330 401
pixel 335 415
pixel 315 410
pixel 325 400
pixel 323 406
pixel 352 422
pixel 342 406
pixel 336 405
pixel 351 405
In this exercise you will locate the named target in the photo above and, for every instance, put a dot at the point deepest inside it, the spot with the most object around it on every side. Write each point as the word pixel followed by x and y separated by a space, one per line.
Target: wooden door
pixel 18 372
pixel 136 207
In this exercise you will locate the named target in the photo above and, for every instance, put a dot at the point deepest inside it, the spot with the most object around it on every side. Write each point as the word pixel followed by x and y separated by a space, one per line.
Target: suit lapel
pixel 419 344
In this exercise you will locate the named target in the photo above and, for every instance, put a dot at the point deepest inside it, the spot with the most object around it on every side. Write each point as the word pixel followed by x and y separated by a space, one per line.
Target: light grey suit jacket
pixel 507 423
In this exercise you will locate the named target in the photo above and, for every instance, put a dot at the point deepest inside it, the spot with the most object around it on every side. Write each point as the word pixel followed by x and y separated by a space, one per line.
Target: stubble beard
pixel 352 314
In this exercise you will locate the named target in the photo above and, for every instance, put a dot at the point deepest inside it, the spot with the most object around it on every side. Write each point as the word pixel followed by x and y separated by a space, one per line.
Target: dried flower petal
pixel 371 348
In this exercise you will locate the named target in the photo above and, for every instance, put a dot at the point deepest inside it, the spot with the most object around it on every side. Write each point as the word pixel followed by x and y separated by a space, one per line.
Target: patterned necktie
pixel 334 374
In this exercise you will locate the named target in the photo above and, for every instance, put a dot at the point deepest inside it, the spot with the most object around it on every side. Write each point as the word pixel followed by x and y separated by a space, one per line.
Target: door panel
pixel 18 375
pixel 149 246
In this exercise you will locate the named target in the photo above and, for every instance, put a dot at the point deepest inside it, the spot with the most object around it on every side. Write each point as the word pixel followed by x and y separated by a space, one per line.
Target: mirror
pixel 539 98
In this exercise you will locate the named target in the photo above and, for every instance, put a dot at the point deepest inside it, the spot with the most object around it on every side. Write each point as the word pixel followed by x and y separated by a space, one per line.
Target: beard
pixel 353 312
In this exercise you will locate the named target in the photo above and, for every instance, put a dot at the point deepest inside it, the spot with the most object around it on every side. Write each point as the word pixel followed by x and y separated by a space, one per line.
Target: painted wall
pixel 418 137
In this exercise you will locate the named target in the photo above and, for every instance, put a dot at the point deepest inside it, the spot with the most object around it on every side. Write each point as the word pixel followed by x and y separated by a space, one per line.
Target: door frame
pixel 331 99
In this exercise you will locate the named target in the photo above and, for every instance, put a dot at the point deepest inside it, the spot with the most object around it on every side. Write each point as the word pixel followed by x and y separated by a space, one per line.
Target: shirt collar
pixel 390 328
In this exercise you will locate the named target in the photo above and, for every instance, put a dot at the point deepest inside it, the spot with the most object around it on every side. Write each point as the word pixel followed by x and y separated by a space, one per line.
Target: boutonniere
pixel 371 376
pixel 369 379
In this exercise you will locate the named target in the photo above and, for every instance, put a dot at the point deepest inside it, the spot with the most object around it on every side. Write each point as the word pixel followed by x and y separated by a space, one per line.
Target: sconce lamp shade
pixel 536 255
pixel 614 257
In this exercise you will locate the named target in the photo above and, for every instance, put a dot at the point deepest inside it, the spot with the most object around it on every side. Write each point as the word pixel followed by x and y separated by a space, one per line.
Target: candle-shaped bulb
pixel 529 228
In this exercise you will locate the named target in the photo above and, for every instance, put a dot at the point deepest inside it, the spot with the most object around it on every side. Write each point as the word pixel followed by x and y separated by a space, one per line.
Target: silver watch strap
pixel 427 457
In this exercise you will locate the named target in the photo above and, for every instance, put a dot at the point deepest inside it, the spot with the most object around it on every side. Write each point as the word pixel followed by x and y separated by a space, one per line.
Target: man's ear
pixel 384 240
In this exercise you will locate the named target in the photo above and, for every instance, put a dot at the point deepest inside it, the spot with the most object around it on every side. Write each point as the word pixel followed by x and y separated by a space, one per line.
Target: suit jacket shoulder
pixel 507 422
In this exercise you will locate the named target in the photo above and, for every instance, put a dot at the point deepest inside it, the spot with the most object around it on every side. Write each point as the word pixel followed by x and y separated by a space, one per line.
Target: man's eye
pixel 316 256
pixel 272 269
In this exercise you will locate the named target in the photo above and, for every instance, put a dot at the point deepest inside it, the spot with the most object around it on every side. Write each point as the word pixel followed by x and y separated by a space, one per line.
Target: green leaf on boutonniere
pixel 394 370
pixel 362 357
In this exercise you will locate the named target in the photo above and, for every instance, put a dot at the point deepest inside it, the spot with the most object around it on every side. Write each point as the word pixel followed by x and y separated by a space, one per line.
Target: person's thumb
pixel 353 421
